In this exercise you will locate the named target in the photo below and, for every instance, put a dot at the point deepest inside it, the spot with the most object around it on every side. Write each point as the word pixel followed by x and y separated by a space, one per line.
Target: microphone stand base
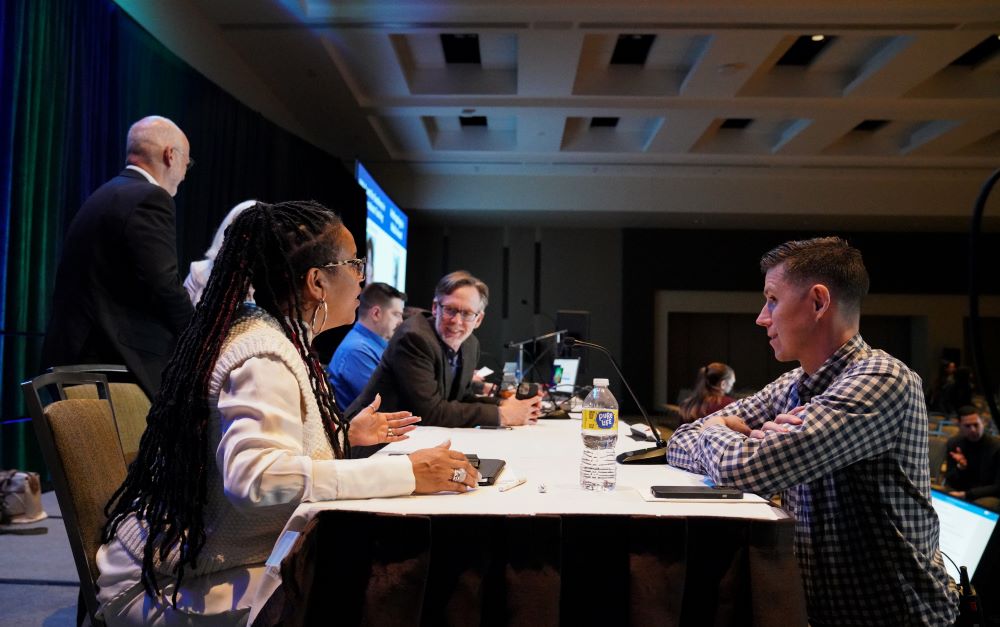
pixel 655 455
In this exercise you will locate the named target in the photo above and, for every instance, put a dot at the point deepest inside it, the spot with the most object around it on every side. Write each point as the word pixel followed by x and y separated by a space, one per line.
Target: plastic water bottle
pixel 598 471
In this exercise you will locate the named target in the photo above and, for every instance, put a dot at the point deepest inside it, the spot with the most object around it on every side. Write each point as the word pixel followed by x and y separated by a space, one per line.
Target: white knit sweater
pixel 271 452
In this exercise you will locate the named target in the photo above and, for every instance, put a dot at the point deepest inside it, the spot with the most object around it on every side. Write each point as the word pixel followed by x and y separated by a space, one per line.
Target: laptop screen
pixel 965 530
pixel 564 375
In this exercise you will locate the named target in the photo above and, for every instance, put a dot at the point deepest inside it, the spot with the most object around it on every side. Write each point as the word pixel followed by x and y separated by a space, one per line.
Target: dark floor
pixel 38 581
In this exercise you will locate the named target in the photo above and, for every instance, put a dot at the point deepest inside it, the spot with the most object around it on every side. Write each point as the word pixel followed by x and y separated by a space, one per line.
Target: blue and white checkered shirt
pixel 855 476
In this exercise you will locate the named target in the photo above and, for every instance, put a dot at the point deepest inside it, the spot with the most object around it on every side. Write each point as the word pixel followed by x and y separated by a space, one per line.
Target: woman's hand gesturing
pixel 370 426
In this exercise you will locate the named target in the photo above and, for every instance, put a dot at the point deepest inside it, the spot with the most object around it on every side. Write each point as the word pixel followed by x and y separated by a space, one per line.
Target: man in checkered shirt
pixel 844 436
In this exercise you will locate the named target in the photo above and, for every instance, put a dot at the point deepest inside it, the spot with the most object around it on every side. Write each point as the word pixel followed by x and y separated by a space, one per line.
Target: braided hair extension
pixel 271 247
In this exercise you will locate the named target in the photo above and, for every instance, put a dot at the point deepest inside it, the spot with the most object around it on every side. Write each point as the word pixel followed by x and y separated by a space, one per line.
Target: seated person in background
pixel 974 462
pixel 844 437
pixel 379 315
pixel 711 392
pixel 429 363
pixel 200 270
pixel 245 428
pixel 962 391
pixel 937 395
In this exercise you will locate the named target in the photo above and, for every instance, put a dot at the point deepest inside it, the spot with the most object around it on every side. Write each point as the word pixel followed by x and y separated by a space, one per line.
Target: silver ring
pixel 458 476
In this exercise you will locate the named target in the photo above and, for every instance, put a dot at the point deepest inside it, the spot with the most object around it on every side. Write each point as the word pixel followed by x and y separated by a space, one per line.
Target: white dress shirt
pixel 146 175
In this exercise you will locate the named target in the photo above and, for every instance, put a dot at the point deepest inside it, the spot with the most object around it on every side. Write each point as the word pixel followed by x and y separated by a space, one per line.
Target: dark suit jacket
pixel 118 298
pixel 414 375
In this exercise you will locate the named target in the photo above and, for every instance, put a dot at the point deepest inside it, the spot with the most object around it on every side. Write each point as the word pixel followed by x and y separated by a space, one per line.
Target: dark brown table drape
pixel 360 568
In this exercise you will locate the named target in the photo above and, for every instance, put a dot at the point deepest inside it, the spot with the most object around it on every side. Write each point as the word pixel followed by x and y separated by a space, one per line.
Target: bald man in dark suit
pixel 118 297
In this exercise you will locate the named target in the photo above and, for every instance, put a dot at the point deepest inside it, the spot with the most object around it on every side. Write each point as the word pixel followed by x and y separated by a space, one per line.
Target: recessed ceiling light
pixel 818 37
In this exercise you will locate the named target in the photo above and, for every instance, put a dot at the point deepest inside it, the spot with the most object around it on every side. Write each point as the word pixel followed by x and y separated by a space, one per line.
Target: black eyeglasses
pixel 451 312
pixel 356 265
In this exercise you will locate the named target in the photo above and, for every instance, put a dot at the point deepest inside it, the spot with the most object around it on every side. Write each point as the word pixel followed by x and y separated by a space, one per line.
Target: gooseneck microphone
pixel 655 455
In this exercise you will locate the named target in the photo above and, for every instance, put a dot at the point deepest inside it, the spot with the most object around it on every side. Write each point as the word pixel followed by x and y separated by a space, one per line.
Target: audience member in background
pixel 354 361
pixel 197 278
pixel 428 366
pixel 711 392
pixel 118 298
pixel 245 429
pixel 962 391
pixel 974 462
pixel 844 437
pixel 937 395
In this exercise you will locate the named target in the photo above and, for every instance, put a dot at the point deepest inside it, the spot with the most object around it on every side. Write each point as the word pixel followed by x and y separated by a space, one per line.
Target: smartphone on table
pixel 694 492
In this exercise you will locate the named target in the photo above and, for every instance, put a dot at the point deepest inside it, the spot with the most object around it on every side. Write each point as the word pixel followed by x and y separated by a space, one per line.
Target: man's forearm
pixel 681 448
pixel 982 491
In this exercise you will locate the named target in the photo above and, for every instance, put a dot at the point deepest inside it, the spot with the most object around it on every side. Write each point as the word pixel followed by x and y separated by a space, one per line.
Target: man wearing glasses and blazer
pixel 428 366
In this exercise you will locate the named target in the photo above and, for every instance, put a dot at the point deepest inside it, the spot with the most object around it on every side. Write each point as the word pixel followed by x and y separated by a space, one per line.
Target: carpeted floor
pixel 38 582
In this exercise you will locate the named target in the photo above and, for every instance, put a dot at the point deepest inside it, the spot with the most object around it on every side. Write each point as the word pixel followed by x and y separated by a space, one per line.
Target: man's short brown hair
pixel 380 294
pixel 460 278
pixel 827 260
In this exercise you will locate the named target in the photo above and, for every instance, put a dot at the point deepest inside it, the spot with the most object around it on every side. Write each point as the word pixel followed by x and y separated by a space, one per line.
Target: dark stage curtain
pixel 74 75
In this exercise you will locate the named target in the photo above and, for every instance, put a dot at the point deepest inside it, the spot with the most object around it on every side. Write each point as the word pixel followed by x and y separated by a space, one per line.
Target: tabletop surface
pixel 546 454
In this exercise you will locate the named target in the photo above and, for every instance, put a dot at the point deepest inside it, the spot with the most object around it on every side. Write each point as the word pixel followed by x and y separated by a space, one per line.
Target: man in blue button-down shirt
pixel 379 314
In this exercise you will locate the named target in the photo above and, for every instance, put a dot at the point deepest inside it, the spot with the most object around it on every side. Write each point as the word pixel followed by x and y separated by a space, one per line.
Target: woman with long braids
pixel 244 428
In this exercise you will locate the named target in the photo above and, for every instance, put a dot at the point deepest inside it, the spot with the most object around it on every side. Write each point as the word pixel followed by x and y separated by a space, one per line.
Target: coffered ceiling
pixel 732 113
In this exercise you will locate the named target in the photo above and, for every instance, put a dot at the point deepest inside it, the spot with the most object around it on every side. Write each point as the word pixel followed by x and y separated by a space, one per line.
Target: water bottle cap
pixel 600 383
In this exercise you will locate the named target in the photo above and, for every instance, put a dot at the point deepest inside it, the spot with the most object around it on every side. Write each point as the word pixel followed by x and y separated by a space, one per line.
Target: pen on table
pixel 510 485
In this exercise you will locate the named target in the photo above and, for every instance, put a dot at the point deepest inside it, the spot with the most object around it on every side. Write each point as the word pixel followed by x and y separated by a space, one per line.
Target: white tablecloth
pixel 548 454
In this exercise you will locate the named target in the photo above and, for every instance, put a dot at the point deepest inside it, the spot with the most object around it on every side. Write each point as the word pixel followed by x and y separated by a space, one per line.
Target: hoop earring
pixel 316 311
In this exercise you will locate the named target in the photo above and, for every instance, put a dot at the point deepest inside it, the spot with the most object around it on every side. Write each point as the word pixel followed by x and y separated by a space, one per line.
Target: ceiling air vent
pixel 461 48
pixel 736 123
pixel 805 50
pixel 632 49
pixel 983 50
pixel 603 122
pixel 870 126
